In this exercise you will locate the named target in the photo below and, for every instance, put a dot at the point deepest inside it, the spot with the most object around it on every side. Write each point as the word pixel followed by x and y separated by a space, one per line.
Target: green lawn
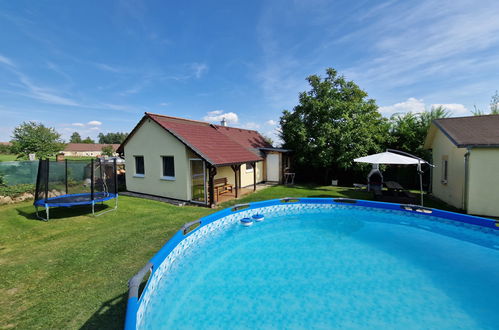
pixel 72 272
pixel 7 157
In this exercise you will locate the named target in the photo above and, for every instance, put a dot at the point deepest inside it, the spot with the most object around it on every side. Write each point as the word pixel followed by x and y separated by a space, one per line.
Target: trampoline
pixel 71 183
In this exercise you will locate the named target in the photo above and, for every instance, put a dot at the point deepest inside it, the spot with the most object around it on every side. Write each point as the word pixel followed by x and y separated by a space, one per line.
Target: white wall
pixel 152 142
pixel 483 186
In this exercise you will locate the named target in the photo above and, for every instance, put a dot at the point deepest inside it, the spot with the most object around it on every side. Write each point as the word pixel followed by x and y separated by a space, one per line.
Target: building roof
pixel 6 143
pixel 218 145
pixel 87 147
pixel 473 131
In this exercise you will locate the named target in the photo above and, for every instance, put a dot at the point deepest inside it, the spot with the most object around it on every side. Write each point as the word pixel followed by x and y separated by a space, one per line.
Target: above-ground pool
pixel 323 263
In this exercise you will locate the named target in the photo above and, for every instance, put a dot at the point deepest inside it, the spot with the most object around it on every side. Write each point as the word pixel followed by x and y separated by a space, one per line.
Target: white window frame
pixel 139 175
pixel 163 177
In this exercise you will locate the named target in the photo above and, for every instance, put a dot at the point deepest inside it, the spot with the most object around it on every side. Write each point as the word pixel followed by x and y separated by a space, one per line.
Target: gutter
pixel 466 179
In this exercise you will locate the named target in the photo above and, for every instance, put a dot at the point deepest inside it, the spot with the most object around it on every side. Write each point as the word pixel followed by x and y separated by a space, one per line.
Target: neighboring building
pixel 87 149
pixel 186 159
pixel 466 154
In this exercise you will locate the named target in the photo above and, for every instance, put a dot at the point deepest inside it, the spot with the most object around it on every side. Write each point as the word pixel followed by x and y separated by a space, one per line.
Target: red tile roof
pixel 208 141
pixel 82 147
pixel 251 140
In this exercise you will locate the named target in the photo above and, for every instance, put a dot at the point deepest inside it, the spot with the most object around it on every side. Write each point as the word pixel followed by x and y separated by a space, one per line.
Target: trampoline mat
pixel 75 199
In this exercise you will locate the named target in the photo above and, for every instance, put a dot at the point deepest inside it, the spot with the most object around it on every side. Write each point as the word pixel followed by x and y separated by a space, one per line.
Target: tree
pixel 112 138
pixel 494 107
pixel 494 104
pixel 75 138
pixel 409 130
pixel 107 150
pixel 88 140
pixel 268 139
pixel 333 123
pixel 35 138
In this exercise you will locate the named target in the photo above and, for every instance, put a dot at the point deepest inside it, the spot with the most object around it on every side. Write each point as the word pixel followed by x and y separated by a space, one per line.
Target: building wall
pixel 483 183
pixel 246 176
pixel 84 153
pixel 452 191
pixel 152 142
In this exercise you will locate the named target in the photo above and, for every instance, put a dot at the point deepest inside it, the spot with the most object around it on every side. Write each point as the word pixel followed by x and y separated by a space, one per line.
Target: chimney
pixel 223 122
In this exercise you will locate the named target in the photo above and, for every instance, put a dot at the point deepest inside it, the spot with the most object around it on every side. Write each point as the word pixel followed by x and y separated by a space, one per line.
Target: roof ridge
pixel 469 117
pixel 178 118
pixel 243 129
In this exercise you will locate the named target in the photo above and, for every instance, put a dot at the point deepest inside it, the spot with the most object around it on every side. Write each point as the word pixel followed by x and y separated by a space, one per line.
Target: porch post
pixel 236 168
pixel 254 175
pixel 212 171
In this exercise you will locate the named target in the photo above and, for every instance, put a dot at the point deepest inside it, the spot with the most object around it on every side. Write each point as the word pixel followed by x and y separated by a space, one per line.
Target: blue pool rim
pixel 134 300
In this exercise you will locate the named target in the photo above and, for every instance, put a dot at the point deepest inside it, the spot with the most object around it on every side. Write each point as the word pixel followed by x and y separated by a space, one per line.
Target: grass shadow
pixel 29 213
pixel 110 315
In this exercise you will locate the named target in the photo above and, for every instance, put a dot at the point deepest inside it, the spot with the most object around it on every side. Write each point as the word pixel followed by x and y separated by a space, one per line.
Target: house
pixel 87 149
pixel 195 161
pixel 466 154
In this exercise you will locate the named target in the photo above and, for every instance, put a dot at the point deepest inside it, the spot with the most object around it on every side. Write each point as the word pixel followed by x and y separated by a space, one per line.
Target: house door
pixel 198 182
pixel 273 167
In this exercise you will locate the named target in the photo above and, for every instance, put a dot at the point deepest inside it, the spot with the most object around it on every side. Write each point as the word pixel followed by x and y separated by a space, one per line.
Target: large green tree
pixel 408 131
pixel 35 138
pixel 75 138
pixel 112 138
pixel 333 123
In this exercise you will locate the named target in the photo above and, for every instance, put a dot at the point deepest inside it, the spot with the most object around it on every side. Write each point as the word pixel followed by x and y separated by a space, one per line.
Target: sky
pixel 96 66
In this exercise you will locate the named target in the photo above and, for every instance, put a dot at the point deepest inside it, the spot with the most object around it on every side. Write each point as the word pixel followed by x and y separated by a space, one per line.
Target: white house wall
pixel 452 191
pixel 152 141
pixel 483 186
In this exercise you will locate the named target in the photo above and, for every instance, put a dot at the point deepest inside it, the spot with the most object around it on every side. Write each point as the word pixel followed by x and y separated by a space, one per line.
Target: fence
pixel 18 172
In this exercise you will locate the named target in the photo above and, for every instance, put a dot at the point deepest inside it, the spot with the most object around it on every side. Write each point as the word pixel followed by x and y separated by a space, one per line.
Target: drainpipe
pixel 466 179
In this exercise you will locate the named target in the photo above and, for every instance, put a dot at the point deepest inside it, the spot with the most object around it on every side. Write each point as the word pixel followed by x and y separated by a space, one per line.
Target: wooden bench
pixel 222 186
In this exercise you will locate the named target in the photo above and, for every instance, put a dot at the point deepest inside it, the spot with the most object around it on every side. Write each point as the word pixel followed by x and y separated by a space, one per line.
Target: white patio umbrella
pixel 396 157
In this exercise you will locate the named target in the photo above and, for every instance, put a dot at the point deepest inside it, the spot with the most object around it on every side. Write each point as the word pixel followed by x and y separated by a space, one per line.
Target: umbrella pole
pixel 420 181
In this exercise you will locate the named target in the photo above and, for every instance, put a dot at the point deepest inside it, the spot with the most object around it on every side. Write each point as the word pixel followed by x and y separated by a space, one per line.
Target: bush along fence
pixel 18 179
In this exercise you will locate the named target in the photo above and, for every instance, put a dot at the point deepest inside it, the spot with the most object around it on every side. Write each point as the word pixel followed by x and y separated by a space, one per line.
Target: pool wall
pixel 197 228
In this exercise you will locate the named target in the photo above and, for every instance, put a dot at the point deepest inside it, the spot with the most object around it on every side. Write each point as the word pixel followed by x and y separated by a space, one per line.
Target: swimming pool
pixel 323 263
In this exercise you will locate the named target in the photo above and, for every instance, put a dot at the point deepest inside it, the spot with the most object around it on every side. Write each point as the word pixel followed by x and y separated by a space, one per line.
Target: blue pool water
pixel 348 268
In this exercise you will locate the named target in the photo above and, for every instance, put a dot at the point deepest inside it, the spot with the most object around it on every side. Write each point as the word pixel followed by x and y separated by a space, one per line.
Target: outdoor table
pixel 395 186
pixel 289 178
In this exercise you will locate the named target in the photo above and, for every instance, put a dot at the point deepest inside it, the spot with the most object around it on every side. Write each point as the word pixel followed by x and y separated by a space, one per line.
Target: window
pixel 249 167
pixel 445 169
pixel 139 166
pixel 168 168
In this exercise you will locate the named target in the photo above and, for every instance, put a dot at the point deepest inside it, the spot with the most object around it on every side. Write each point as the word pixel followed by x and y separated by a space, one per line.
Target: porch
pixel 242 192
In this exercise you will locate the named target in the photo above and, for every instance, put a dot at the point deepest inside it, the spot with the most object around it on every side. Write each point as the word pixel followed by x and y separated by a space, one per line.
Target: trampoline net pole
pixel 115 177
pixel 47 179
pixel 66 175
pixel 92 179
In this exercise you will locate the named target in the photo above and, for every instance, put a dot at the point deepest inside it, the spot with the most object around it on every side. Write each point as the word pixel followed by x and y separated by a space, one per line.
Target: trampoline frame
pixel 47 206
pixel 92 201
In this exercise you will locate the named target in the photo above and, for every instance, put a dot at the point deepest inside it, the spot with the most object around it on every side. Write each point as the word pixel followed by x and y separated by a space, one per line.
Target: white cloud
pixel 6 60
pixel 411 105
pixel 199 69
pixel 271 122
pixel 164 104
pixel 94 123
pixel 218 115
pixel 95 128
pixel 455 108
pixel 251 125
pixel 415 105
pixel 78 124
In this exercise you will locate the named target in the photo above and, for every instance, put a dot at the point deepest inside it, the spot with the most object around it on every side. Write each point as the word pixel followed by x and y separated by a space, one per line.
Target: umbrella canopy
pixel 388 158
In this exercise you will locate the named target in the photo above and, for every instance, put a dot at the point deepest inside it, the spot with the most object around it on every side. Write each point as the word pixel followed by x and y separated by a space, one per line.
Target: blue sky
pixel 97 66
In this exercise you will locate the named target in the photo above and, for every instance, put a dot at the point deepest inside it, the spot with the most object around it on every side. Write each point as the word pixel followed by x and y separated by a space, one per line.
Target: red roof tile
pixel 217 146
pixel 251 140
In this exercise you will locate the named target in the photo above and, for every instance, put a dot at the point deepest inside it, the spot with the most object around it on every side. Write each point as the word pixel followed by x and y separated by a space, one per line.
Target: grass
pixel 7 157
pixel 72 272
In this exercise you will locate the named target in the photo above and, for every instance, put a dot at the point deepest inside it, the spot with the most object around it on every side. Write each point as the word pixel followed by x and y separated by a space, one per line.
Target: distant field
pixel 7 157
